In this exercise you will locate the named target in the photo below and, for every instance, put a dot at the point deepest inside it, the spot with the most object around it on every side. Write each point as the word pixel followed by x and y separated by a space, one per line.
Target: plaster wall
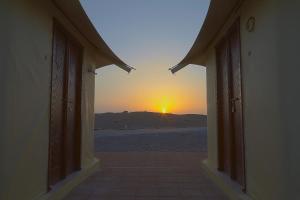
pixel 264 137
pixel 212 125
pixel 265 129
pixel 25 78
pixel 289 43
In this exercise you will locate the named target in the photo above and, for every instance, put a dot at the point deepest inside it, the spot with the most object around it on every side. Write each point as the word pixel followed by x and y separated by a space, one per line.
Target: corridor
pixel 160 164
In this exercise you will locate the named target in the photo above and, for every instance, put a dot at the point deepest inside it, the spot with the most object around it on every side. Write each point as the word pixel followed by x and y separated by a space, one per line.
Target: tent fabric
pixel 76 14
pixel 25 83
pixel 26 56
pixel 218 13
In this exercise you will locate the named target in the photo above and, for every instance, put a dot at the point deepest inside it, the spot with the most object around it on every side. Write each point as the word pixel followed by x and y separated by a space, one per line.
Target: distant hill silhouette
pixel 143 120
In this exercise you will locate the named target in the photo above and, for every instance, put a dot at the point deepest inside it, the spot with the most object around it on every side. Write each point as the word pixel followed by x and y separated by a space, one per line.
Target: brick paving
pixel 148 175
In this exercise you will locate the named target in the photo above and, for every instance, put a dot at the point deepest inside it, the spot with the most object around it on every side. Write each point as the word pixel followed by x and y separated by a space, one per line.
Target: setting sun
pixel 164 110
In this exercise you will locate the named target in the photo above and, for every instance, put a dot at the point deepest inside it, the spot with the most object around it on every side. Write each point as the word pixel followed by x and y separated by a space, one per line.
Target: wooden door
pixel 236 104
pixel 65 108
pixel 230 109
pixel 73 100
pixel 57 109
pixel 224 114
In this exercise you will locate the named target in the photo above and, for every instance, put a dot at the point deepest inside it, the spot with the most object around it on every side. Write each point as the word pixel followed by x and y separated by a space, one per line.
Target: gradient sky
pixel 150 35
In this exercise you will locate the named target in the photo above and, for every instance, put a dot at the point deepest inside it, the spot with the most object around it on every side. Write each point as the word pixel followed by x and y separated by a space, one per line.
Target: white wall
pixel 263 127
pixel 289 70
pixel 26 78
pixel 212 125
pixel 25 52
pixel 87 112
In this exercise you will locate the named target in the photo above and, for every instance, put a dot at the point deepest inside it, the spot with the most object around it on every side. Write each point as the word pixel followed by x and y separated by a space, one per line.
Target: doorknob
pixel 233 100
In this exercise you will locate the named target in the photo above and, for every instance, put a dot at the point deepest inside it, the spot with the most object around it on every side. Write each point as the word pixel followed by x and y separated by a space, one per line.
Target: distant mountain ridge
pixel 143 120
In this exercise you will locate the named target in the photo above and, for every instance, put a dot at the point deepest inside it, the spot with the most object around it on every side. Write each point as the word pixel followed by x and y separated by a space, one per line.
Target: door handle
pixel 233 100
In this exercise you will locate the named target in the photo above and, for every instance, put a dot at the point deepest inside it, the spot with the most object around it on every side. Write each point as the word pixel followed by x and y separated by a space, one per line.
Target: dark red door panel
pixel 65 108
pixel 73 107
pixel 236 103
pixel 56 157
pixel 224 114
pixel 230 108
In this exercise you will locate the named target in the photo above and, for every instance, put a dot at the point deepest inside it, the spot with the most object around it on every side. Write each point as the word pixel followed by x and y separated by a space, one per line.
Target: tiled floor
pixel 148 176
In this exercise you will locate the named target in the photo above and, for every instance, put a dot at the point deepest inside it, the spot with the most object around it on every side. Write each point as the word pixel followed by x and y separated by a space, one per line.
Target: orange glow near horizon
pixel 175 102
pixel 180 94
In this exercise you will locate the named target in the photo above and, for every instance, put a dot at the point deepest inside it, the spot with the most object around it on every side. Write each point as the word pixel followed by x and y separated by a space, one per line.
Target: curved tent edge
pixel 217 14
pixel 78 17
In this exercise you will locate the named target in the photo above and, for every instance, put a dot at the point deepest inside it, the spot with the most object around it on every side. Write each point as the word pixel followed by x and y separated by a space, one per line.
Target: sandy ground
pixel 160 140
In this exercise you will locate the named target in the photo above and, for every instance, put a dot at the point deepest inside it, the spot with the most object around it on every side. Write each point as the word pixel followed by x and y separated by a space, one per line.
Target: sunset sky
pixel 151 36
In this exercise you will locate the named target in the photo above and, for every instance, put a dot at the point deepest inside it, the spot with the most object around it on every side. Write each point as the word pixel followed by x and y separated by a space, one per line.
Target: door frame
pixel 78 133
pixel 235 25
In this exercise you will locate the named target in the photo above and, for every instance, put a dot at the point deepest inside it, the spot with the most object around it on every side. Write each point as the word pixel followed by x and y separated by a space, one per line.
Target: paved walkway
pixel 148 175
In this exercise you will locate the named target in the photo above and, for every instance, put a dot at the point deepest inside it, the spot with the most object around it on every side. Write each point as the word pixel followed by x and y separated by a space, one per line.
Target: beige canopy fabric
pixel 218 13
pixel 76 14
